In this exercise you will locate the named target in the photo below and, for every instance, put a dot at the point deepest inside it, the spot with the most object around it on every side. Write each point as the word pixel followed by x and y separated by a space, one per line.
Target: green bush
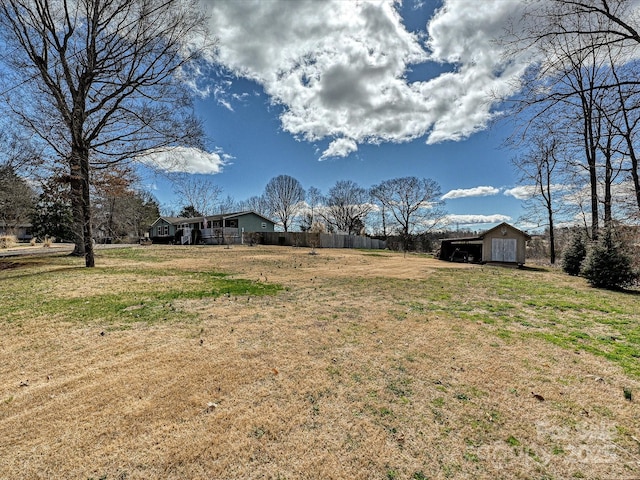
pixel 607 265
pixel 574 254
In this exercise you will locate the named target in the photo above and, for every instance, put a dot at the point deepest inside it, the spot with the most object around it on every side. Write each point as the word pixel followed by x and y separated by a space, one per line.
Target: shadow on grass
pixel 635 291
pixel 528 268
pixel 27 264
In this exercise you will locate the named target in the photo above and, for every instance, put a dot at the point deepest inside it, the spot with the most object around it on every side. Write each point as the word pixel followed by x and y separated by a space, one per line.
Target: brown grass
pixel 334 378
pixel 8 241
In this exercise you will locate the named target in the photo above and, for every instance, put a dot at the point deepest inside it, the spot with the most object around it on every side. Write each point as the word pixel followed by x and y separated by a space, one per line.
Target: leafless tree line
pixel 580 111
pixel 400 206
pixel 100 82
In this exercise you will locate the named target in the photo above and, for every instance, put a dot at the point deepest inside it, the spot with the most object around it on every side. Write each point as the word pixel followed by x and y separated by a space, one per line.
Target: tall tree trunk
pixel 593 180
pixel 608 179
pixel 549 204
pixel 81 203
pixel 591 153
pixel 635 176
pixel 75 180
pixel 552 240
pixel 384 222
pixel 89 258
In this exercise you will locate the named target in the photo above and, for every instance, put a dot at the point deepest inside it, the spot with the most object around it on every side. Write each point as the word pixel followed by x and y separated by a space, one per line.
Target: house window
pixel 264 225
pixel 232 223
pixel 164 230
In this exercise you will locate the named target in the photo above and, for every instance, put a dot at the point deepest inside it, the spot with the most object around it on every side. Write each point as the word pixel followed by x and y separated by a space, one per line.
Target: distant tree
pixel 284 196
pixel 197 192
pixel 414 203
pixel 102 82
pixel 256 203
pixel 189 212
pixel 607 265
pixel 346 207
pixel 120 208
pixel 314 199
pixel 143 209
pixel 305 222
pixel 109 188
pixel 53 216
pixel 17 199
pixel 228 205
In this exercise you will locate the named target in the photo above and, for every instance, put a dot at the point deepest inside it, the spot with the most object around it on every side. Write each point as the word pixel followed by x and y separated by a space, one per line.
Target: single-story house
pixel 22 231
pixel 212 229
pixel 501 244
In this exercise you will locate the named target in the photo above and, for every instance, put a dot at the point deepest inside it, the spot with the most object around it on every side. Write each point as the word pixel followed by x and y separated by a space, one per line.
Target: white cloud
pixel 340 148
pixel 522 192
pixel 525 192
pixel 482 191
pixel 476 219
pixel 185 160
pixel 339 67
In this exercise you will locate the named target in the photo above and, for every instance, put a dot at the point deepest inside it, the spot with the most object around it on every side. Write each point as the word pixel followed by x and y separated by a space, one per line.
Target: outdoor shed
pixel 501 244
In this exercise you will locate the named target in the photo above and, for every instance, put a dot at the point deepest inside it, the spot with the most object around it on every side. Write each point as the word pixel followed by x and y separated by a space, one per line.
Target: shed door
pixel 503 249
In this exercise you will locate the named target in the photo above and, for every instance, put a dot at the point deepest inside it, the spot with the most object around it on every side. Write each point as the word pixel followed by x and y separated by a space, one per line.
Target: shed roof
pixel 483 234
pixel 506 225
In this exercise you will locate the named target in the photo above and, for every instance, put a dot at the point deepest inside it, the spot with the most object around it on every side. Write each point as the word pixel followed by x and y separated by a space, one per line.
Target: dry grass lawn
pixel 366 365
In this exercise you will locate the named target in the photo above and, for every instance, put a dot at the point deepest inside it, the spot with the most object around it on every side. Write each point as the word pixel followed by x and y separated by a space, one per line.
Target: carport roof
pixel 463 239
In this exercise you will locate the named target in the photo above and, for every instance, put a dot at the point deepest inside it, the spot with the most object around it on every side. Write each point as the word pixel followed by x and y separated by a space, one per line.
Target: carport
pixel 501 244
pixel 465 249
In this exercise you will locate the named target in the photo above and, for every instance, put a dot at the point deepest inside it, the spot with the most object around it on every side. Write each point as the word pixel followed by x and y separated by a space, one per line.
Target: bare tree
pixel 314 198
pixel 414 203
pixel 614 19
pixel 228 205
pixel 101 81
pixel 198 192
pixel 284 196
pixel 18 151
pixel 589 67
pixel 623 119
pixel 346 207
pixel 256 203
pixel 540 169
pixel 568 87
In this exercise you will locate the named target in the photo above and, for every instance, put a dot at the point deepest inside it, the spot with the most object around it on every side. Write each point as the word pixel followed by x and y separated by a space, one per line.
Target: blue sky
pixel 326 91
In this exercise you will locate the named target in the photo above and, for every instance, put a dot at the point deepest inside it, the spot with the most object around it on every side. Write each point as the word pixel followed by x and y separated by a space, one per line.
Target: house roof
pixel 4 224
pixel 180 220
pixel 238 214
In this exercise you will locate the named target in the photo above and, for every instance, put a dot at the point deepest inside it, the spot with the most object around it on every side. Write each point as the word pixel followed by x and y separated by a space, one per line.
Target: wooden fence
pixel 315 240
